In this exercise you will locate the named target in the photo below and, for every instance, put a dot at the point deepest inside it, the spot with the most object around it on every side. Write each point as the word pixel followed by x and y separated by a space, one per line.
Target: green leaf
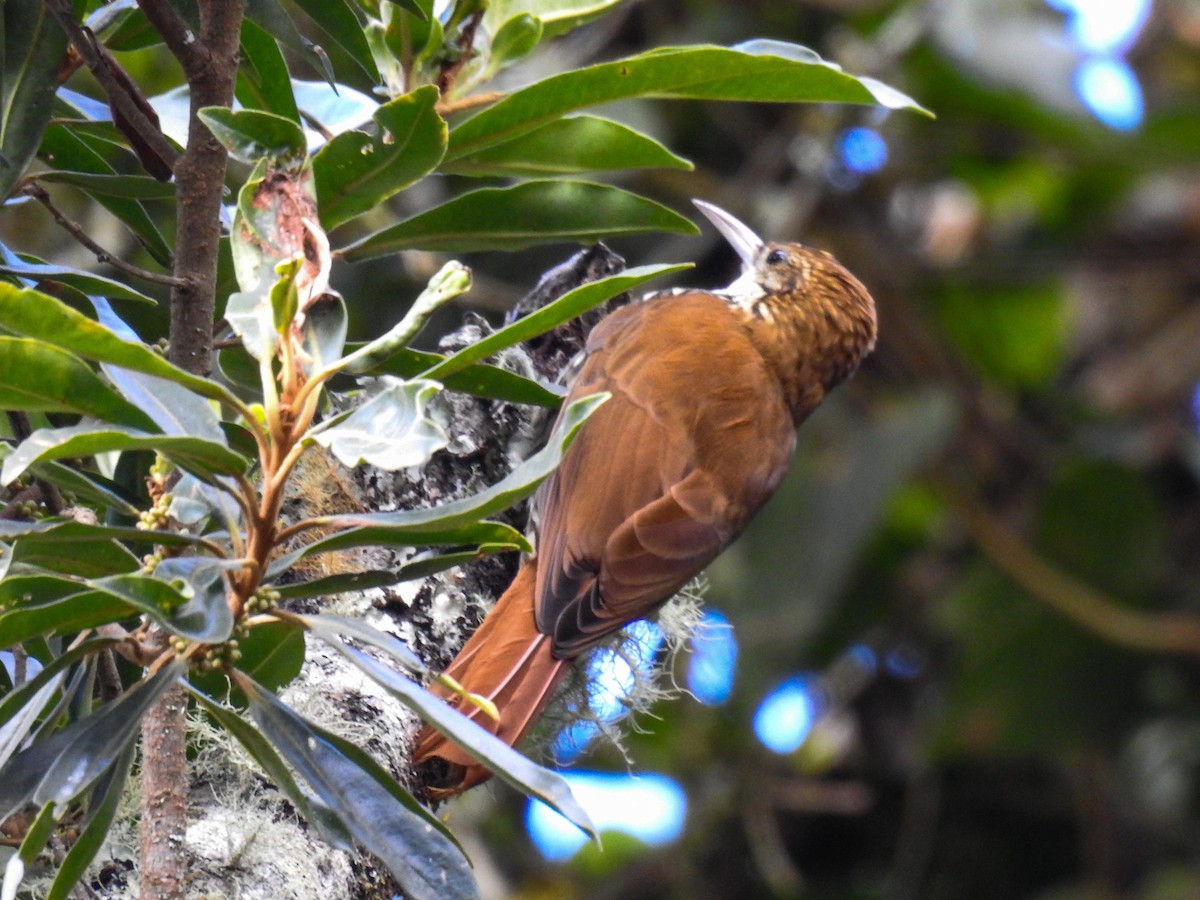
pixel 50 675
pixel 390 431
pixel 263 80
pixel 523 215
pixel 41 316
pixel 559 16
pixel 337 19
pixel 331 629
pixel 92 557
pixel 568 306
pixel 63 765
pixel 89 487
pixel 693 73
pixel 87 282
pixel 272 18
pixel 478 379
pixel 522 773
pixel 129 187
pixel 102 807
pixel 567 147
pixel 63 383
pixel 315 812
pixel 205 615
pixel 325 325
pixel 473 533
pixel 272 654
pixel 68 531
pixel 520 483
pixel 63 150
pixel 203 457
pixel 356 171
pixel 516 39
pixel 174 409
pixel 413 844
pixel 252 134
pixel 33 47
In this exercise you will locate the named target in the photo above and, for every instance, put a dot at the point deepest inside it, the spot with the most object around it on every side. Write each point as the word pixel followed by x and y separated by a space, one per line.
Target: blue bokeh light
pixel 862 150
pixel 713 665
pixel 786 715
pixel 1108 88
pixel 613 672
pixel 1104 26
pixel 651 808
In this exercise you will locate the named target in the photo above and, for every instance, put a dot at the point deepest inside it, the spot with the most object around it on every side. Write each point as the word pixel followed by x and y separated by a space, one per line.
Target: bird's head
pixel 800 296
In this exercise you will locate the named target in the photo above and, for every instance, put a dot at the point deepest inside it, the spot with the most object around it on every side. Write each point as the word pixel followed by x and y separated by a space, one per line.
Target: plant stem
pixel 210 61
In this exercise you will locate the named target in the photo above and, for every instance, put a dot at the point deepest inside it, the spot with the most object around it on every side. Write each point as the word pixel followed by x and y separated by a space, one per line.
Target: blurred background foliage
pixel 962 666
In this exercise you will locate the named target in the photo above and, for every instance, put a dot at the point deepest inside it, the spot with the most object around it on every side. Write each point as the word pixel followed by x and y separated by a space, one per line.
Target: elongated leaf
pixel 102 810
pixel 88 609
pixel 58 768
pixel 130 187
pixel 252 134
pixel 511 218
pixel 88 439
pixel 520 483
pixel 62 149
pixel 567 147
pixel 87 282
pixel 380 578
pixel 32 45
pixel 478 379
pixel 272 18
pixel 89 487
pixel 559 16
pixel 89 557
pixel 313 809
pixel 41 316
pixel 19 722
pixel 63 383
pixel 565 308
pixel 380 536
pixel 356 171
pixel 263 80
pixel 176 410
pixel 16 701
pixel 337 19
pixel 382 816
pixel 69 531
pixel 505 762
pixel 331 629
pixel 772 72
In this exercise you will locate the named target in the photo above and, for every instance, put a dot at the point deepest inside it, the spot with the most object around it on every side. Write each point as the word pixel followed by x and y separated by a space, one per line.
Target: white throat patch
pixel 743 292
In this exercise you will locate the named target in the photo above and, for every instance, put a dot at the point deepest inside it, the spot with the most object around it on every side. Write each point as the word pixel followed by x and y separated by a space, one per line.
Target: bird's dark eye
pixel 776 258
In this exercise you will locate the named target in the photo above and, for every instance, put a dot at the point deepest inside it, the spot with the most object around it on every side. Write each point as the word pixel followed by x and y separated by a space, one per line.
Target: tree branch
pixel 73 228
pixel 124 104
pixel 1078 601
pixel 210 64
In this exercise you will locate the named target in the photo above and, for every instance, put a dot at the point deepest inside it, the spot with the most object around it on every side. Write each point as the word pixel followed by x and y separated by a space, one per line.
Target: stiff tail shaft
pixel 508 661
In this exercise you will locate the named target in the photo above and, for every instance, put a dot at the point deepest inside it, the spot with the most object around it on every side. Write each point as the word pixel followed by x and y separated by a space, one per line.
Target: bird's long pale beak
pixel 744 241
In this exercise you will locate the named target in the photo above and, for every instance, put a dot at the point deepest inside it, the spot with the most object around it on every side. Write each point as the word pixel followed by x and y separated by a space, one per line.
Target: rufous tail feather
pixel 508 661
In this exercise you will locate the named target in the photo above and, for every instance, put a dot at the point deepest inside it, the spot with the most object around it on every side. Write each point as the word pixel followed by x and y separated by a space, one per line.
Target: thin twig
pixel 1115 621
pixel 39 193
pixel 446 107
pixel 89 49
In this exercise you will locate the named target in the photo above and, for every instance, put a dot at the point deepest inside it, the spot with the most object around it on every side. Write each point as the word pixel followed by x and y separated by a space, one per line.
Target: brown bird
pixel 707 390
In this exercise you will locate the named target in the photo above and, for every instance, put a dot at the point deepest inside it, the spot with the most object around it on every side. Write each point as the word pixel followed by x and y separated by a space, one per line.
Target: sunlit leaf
pixel 88 439
pixel 356 171
pixel 87 282
pixel 566 147
pixel 252 134
pixel 511 218
pixel 64 383
pixel 478 379
pixel 390 431
pixel 520 483
pixel 756 73
pixel 568 306
pixel 263 80
pixel 40 316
